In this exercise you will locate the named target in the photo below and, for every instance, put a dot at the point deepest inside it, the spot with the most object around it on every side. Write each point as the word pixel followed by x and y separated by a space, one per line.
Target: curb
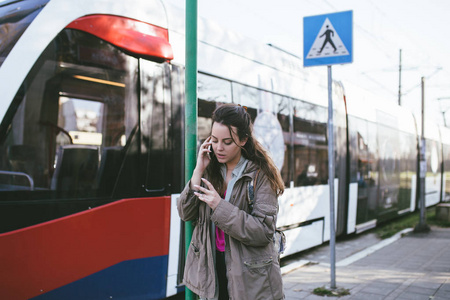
pixel 351 259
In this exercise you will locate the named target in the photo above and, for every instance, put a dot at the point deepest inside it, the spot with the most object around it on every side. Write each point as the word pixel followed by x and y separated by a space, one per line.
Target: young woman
pixel 231 255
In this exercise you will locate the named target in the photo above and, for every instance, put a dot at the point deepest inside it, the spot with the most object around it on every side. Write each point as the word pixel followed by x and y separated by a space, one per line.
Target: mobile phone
pixel 210 149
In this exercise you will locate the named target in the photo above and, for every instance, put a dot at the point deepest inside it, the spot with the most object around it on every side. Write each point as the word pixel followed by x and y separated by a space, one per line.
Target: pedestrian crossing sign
pixel 328 39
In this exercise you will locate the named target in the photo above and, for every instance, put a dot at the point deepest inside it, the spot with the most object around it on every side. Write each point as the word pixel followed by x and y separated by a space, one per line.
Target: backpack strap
pixel 251 191
pixel 278 239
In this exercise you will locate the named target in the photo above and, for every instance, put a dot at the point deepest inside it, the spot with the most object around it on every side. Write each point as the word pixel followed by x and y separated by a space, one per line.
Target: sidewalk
pixel 408 266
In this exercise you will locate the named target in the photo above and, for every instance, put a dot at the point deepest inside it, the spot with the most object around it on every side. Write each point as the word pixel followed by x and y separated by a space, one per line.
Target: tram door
pixel 72 128
pixel 389 170
pixel 341 170
pixel 364 170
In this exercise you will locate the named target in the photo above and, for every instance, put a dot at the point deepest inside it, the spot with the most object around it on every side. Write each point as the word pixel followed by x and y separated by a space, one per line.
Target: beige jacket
pixel 253 269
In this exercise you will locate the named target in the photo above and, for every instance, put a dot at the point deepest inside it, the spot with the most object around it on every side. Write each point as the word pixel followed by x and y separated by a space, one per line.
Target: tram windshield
pixel 69 126
pixel 15 17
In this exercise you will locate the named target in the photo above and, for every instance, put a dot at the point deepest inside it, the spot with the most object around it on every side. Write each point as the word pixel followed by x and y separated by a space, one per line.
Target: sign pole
pixel 422 226
pixel 331 180
pixel 328 40
pixel 190 109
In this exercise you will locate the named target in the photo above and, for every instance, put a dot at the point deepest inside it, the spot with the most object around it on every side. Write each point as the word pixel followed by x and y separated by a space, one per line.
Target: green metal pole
pixel 191 108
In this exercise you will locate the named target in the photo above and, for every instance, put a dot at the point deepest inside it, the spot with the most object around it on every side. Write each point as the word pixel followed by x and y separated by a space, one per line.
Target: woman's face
pixel 226 151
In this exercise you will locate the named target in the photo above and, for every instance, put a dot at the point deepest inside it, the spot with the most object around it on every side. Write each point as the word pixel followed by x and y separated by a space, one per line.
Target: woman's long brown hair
pixel 232 115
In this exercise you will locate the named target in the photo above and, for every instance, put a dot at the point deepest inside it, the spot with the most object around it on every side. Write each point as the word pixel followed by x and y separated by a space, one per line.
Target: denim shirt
pixel 235 175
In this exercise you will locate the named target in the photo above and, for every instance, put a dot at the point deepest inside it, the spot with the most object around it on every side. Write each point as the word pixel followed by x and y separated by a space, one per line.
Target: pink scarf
pixel 220 237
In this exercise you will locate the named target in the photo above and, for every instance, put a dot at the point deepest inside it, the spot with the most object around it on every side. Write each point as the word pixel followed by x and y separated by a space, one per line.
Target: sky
pixel 421 29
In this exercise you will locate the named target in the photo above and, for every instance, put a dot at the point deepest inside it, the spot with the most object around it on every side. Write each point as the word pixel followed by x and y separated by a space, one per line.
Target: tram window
pixel 446 160
pixel 283 115
pixel 81 119
pixel 259 100
pixel 75 115
pixel 155 117
pixel 432 157
pixel 264 108
pixel 274 133
pixel 388 147
pixel 245 96
pixel 364 166
pixel 362 154
pixel 271 128
pixel 353 147
pixel 214 89
pixel 310 144
pixel 271 125
pixel 372 146
pixel 314 113
pixel 407 170
pixel 205 110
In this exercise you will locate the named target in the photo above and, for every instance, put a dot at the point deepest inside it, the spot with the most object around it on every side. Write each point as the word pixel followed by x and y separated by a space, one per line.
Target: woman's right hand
pixel 203 160
pixel 204 156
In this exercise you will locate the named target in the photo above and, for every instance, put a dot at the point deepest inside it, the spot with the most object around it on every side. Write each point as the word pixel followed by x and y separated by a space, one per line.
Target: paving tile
pixel 443 294
pixel 426 284
pixel 420 290
pixel 293 294
pixel 367 296
pixel 445 286
pixel 412 296
pixel 377 291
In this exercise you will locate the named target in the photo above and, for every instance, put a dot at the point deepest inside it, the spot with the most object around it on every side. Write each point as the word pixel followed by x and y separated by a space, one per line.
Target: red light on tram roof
pixel 131 35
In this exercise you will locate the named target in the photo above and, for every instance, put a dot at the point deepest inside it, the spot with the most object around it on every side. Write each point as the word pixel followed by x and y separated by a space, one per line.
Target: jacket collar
pixel 250 170
pixel 238 169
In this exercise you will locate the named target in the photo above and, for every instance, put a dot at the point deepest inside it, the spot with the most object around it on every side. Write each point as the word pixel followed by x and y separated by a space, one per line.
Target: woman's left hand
pixel 208 195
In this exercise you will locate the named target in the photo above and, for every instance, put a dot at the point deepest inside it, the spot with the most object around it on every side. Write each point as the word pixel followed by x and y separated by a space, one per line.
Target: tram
pixel 92 146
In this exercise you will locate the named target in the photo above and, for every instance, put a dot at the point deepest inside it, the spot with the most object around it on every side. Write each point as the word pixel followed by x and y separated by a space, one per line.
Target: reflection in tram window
pixel 310 144
pixel 269 112
pixel 82 120
pixel 446 175
pixel 296 139
pixel 408 166
pixel 155 120
pixel 383 165
pixel 363 167
pixel 283 115
pixel 244 95
pixel 389 173
pixel 204 122
pixel 266 125
pixel 214 89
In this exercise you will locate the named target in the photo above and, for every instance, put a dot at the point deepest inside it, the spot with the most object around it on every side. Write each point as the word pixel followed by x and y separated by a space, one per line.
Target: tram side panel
pixel 344 189
pixel 433 156
pixel 445 137
pixel 408 172
pixel 383 165
pixel 96 147
pixel 446 173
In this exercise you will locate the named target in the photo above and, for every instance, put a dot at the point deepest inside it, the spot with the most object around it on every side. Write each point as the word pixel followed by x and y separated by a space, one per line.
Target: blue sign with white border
pixel 328 39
